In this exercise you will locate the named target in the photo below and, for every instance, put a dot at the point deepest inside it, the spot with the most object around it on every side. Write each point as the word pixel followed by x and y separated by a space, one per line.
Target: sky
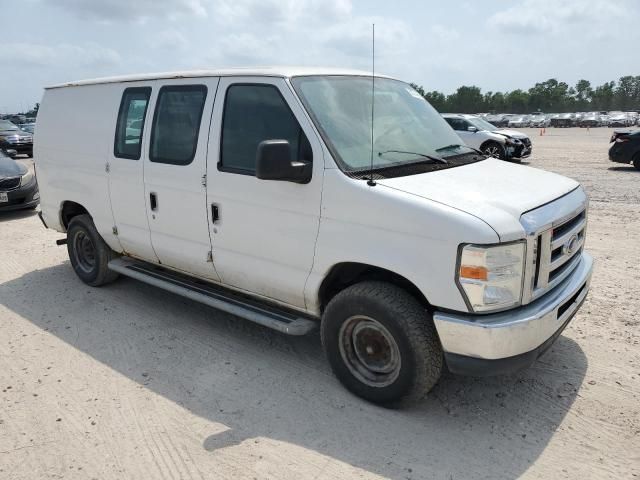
pixel 496 45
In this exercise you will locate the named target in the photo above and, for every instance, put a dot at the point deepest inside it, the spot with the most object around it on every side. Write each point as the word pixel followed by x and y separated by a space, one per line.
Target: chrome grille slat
pixel 561 260
pixel 557 242
pixel 566 272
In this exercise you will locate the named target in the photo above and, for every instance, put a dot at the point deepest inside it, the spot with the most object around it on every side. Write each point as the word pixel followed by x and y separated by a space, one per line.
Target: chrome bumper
pixel 519 331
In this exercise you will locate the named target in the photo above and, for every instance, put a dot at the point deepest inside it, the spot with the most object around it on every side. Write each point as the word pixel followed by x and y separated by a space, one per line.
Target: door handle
pixel 215 213
pixel 153 201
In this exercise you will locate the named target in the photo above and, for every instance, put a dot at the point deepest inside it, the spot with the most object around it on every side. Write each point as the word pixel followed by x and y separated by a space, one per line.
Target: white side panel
pixel 411 236
pixel 75 133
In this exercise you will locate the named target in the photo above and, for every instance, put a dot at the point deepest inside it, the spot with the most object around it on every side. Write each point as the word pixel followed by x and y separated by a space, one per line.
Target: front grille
pixel 555 239
pixel 9 183
pixel 559 250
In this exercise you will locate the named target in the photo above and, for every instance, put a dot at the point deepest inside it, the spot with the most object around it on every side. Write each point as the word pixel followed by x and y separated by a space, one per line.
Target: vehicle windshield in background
pixel 481 124
pixel 6 125
pixel 407 129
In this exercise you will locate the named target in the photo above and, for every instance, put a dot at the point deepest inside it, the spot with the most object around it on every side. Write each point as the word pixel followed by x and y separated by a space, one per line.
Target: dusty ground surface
pixel 127 381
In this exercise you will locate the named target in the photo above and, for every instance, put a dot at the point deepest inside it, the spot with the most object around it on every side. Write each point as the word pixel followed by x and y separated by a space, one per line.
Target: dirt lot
pixel 127 381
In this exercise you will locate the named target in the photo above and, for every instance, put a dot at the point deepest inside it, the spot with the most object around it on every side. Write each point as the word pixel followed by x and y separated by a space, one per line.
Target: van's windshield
pixel 406 128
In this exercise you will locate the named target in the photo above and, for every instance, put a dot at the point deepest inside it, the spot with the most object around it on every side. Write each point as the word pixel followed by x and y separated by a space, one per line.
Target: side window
pixel 252 114
pixel 176 124
pixel 457 123
pixel 130 124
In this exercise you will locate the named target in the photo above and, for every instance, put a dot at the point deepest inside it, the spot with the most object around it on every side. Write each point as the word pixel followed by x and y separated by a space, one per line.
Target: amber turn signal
pixel 473 272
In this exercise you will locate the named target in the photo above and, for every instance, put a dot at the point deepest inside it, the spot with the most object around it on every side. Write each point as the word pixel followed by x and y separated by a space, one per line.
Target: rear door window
pixel 176 124
pixel 130 124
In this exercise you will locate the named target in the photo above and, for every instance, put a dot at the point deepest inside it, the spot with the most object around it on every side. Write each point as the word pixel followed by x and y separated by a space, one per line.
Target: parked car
pixel 519 121
pixel 18 186
pixel 540 121
pixel 619 119
pixel 563 120
pixel 592 119
pixel 269 200
pixel 499 120
pixel 12 137
pixel 485 137
pixel 625 147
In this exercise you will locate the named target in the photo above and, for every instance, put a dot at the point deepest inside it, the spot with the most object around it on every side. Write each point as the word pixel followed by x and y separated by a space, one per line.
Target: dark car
pixel 626 147
pixel 564 120
pixel 14 138
pixel 18 186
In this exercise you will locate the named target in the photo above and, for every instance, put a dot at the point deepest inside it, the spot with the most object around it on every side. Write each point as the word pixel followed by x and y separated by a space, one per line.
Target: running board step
pixel 285 321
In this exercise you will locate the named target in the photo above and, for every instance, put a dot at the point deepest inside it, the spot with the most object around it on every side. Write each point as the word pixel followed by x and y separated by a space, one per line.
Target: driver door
pixel 263 231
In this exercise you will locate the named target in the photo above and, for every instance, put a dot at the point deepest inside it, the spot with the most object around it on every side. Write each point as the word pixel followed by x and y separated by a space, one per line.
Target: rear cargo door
pixel 175 171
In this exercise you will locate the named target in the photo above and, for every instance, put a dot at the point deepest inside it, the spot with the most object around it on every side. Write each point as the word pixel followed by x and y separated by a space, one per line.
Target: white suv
pixel 264 194
pixel 496 142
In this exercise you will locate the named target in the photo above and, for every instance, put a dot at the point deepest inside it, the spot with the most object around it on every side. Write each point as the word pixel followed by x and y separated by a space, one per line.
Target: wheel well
pixel 346 274
pixel 69 210
pixel 487 142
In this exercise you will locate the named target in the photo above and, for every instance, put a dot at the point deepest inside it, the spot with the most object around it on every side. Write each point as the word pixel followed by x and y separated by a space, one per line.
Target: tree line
pixel 551 96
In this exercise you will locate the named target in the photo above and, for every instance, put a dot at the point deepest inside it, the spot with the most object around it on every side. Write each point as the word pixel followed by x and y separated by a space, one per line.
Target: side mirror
pixel 273 162
pixel 472 129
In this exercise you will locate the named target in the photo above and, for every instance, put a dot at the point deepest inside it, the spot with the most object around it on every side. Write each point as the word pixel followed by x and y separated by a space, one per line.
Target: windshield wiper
pixel 423 155
pixel 456 145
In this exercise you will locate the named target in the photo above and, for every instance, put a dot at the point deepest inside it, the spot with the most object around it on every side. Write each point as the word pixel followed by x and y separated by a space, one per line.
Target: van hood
pixel 492 190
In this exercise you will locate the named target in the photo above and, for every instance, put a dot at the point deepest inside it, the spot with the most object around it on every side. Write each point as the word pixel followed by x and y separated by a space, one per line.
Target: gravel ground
pixel 127 381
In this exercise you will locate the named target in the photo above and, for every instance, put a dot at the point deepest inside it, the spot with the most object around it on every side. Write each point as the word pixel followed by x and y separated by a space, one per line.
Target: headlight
pixel 27 178
pixel 491 276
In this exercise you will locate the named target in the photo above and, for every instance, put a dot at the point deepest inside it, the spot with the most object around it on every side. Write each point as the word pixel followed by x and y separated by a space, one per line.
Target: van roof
pixel 284 72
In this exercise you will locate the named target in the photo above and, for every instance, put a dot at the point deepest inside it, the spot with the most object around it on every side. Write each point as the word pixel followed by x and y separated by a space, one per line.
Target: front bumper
pixel 621 153
pixel 22 197
pixel 502 342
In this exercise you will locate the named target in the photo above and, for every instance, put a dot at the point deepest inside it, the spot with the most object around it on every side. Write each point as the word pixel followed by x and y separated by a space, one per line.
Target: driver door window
pixel 252 114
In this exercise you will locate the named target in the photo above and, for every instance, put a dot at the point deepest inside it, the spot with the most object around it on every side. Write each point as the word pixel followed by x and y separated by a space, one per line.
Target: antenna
pixel 371 182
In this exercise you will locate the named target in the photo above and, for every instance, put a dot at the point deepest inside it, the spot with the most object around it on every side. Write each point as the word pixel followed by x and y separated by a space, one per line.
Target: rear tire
pixel 381 343
pixel 88 253
pixel 636 161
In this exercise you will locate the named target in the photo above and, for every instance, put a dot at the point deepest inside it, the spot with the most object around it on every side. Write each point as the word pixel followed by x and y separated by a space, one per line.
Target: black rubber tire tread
pixel 101 274
pixel 410 324
pixel 636 161
pixel 502 156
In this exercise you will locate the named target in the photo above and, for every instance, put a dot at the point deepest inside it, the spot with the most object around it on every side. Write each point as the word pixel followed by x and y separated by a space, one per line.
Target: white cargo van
pixel 264 193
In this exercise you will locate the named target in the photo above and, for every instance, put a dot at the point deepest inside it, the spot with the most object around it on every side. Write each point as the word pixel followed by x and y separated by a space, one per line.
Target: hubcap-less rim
pixel 492 151
pixel 369 351
pixel 85 252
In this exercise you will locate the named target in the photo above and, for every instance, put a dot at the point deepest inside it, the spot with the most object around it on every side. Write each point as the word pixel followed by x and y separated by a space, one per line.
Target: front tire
pixel 494 149
pixel 88 253
pixel 381 343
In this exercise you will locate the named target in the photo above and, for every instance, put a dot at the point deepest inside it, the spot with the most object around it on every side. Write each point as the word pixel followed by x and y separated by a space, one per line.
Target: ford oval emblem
pixel 571 245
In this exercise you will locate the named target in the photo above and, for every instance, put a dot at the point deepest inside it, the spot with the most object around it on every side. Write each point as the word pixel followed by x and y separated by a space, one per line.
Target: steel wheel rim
pixel 85 252
pixel 369 351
